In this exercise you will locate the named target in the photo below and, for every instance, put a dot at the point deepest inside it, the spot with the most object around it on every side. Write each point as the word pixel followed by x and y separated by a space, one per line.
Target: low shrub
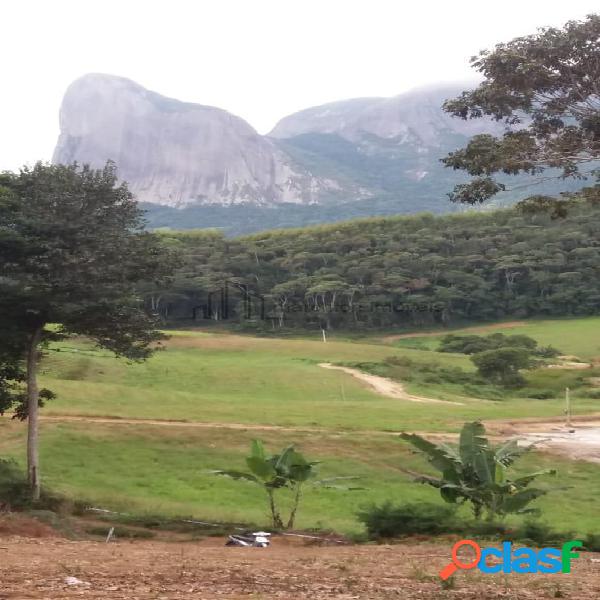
pixel 456 375
pixel 14 488
pixel 399 361
pixel 488 392
pixel 388 520
pixel 541 394
pixel 15 492
pixel 538 533
pixel 591 542
pixel 547 352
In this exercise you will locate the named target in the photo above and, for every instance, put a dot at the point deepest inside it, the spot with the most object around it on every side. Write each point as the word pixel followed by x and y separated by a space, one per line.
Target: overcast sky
pixel 260 59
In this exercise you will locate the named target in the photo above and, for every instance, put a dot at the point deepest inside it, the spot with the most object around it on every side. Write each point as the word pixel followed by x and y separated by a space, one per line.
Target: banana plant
pixel 286 470
pixel 475 472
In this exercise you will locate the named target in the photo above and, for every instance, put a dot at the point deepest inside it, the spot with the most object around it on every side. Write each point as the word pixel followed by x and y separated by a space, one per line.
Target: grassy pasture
pixel 144 469
pixel 224 379
pixel 580 337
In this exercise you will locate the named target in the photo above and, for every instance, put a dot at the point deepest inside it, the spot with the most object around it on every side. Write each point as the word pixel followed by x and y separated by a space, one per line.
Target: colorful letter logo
pixel 519 560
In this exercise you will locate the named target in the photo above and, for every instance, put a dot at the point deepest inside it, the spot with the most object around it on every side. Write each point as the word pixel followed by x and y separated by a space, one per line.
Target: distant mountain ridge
pixel 415 116
pixel 176 153
pixel 367 156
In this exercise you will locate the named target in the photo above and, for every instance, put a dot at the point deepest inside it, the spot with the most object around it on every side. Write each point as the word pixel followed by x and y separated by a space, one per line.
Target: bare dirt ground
pixel 172 423
pixel 54 568
pixel 579 441
pixel 385 386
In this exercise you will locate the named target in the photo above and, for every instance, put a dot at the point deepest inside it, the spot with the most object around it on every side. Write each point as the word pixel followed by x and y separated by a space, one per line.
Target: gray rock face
pixel 176 153
pixel 389 146
pixel 181 154
pixel 414 117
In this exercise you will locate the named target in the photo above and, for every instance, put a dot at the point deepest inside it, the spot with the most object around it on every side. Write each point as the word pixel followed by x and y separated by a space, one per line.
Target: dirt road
pixel 385 386
pixel 53 568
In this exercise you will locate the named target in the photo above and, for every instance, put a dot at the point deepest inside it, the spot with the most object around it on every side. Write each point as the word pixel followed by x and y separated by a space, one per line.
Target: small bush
pixel 592 542
pixel 502 365
pixel 483 391
pixel 399 361
pixel 540 534
pixel 15 491
pixel 542 394
pixel 547 352
pixel 455 375
pixel 388 521
pixel 374 368
pixel 593 394
pixel 484 529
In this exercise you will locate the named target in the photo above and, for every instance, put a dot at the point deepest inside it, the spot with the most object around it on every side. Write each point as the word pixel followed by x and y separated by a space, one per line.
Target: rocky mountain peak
pixel 172 152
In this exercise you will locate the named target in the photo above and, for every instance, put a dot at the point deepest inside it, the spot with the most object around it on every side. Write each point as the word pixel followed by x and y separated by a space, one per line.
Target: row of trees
pixel 390 271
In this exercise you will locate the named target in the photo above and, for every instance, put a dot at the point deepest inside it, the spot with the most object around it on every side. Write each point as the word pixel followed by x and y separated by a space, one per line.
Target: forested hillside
pixel 386 272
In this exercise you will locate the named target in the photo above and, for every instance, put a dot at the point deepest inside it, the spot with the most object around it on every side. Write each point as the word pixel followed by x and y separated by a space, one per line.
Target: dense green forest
pixel 389 272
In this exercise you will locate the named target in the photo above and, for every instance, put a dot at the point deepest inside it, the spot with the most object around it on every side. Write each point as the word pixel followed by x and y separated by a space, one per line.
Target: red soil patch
pixel 53 568
pixel 15 524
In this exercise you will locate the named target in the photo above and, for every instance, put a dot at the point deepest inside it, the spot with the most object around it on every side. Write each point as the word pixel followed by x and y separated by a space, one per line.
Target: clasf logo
pixel 518 560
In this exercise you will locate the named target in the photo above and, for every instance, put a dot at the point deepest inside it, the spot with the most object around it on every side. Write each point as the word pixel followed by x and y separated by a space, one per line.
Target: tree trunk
pixel 297 496
pixel 33 469
pixel 275 516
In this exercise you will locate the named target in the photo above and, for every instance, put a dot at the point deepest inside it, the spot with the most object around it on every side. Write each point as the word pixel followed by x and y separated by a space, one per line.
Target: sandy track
pixel 385 386
pixel 39 568
pixel 169 423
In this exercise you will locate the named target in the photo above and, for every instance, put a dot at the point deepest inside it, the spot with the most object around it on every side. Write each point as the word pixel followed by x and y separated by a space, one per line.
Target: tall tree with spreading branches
pixel 73 251
pixel 546 89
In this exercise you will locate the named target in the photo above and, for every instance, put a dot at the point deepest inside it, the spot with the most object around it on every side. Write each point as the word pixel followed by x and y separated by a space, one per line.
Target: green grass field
pixel 571 336
pixel 222 379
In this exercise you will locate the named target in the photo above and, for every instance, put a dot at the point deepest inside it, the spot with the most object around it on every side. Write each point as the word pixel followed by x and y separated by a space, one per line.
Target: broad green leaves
pixel 287 470
pixel 477 473
pixel 440 456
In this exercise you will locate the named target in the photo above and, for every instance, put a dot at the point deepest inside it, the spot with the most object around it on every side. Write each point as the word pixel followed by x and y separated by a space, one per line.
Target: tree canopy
pixel 389 272
pixel 74 252
pixel 546 89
